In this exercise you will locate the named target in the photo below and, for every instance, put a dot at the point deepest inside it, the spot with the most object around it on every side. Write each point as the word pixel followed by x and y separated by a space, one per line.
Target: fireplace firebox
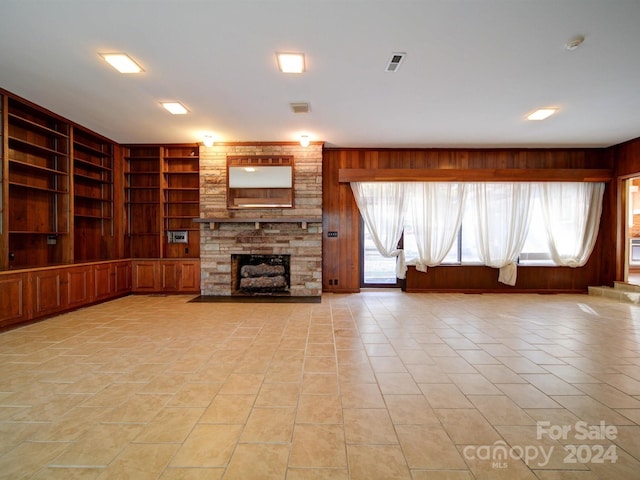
pixel 260 274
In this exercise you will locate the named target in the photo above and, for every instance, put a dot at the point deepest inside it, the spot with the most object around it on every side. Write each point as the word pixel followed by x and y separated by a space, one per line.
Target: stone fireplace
pixel 227 235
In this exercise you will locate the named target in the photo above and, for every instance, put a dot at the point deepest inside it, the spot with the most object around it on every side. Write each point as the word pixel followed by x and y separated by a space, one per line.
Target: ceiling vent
pixel 300 107
pixel 396 60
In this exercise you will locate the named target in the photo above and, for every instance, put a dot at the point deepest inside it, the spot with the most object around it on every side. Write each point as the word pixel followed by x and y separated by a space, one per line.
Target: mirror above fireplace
pixel 260 182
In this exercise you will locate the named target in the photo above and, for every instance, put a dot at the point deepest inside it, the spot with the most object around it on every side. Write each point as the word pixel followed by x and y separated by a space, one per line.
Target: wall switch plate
pixel 51 240
pixel 332 234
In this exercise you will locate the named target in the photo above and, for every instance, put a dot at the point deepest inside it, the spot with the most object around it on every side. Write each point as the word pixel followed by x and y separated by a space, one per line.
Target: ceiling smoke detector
pixel 395 61
pixel 300 107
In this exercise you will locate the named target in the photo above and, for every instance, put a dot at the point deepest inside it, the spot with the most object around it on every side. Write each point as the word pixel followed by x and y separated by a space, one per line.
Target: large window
pixel 465 251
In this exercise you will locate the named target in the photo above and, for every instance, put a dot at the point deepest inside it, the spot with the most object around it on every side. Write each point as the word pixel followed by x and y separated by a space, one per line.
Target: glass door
pixel 632 256
pixel 377 271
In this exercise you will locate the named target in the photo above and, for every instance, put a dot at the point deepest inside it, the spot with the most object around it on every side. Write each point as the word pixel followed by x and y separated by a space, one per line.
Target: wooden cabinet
pixel 165 276
pixel 181 201
pixel 37 170
pixel 14 299
pixel 142 201
pixel 39 292
pixel 93 196
pixel 162 195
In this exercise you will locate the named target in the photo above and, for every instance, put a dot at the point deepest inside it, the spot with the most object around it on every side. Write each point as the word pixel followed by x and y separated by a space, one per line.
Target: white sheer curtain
pixel 503 217
pixel 436 209
pixel 571 214
pixel 382 206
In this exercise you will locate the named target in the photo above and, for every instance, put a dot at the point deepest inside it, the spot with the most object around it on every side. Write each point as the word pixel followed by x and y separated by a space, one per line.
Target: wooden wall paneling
pixel 340 212
pixel 626 158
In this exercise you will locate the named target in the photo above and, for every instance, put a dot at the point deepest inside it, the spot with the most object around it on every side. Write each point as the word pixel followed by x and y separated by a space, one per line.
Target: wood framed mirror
pixel 260 182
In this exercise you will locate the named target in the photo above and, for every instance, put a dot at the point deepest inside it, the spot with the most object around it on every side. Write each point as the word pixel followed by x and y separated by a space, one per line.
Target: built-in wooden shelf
pixel 303 221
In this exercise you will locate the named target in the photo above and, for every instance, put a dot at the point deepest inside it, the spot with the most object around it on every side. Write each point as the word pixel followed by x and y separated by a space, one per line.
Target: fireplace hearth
pixel 260 274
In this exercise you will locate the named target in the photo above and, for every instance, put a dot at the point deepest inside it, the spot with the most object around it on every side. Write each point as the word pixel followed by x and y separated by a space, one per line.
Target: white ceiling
pixel 473 70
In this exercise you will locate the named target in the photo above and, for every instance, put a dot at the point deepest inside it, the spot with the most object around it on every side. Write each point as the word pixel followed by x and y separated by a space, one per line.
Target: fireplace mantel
pixel 303 221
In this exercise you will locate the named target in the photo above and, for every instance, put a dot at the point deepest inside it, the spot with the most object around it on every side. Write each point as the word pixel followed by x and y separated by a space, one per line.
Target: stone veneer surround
pixel 303 244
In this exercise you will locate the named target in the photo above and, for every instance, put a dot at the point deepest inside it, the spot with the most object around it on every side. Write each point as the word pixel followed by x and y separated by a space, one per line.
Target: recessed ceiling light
pixel 122 62
pixel 542 113
pixel 291 62
pixel 175 108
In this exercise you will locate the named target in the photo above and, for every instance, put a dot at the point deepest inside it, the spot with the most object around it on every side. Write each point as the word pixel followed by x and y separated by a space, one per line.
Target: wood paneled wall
pixel 626 160
pixel 341 259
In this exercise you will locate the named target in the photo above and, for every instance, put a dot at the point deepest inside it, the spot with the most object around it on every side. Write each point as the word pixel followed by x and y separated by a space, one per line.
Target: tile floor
pixel 376 385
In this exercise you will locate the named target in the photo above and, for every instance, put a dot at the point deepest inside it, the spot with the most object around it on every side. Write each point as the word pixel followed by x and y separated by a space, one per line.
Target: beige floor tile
pixel 352 373
pixel 550 384
pixel 499 374
pixel 444 395
pixel 608 395
pixel 319 364
pixel 269 424
pixel 500 410
pixel 317 474
pixel 527 396
pixel 208 446
pixel 171 425
pixel 565 475
pixel 195 395
pixel 137 409
pixel 49 473
pixel 140 462
pixel 181 473
pixel 428 374
pixel 473 384
pixel 258 462
pixel 319 384
pixel 397 384
pixel 242 384
pixel 387 365
pixel 278 395
pixel 361 395
pixel 228 409
pixel 211 389
pixel 318 446
pixel 97 447
pixel 467 426
pixel 367 462
pixel 428 446
pixel 24 461
pixel 325 409
pixel 368 426
pixel 590 410
pixel 410 410
pixel 441 475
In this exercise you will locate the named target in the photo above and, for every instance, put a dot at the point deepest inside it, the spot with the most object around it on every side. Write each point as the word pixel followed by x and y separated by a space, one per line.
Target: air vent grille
pixel 395 61
pixel 300 107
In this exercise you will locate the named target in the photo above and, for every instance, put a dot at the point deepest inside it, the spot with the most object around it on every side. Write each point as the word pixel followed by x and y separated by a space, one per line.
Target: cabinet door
pixel 144 276
pixel 13 299
pixel 78 286
pixel 170 273
pixel 123 277
pixel 190 277
pixel 48 295
pixel 104 281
